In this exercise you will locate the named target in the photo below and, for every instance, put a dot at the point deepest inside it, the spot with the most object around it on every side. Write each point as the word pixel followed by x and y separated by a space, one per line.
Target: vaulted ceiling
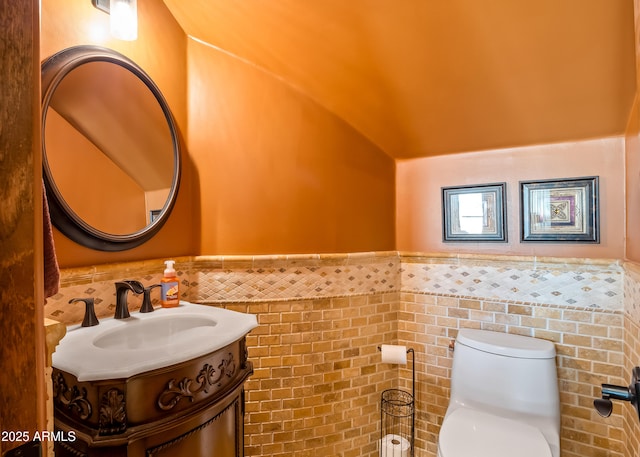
pixel 430 77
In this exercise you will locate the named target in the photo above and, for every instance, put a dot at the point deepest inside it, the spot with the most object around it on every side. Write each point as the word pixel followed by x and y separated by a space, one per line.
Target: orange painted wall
pixel 277 173
pixel 161 52
pixel 632 167
pixel 419 219
pixel 274 172
pixel 632 159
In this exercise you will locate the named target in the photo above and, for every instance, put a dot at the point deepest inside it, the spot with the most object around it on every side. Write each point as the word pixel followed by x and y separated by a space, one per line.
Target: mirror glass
pixel 111 153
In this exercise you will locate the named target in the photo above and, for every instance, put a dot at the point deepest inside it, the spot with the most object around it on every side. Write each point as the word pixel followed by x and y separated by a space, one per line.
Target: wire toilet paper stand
pixel 397 419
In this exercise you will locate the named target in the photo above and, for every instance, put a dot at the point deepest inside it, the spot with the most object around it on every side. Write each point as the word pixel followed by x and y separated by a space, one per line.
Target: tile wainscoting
pixel 575 303
pixel 318 375
pixel 631 352
pixel 232 279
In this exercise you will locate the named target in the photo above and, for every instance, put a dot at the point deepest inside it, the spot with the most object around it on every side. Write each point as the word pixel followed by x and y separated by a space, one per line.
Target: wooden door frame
pixel 22 347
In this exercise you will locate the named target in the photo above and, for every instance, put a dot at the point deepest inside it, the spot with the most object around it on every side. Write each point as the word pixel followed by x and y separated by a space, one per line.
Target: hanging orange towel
pixel 51 268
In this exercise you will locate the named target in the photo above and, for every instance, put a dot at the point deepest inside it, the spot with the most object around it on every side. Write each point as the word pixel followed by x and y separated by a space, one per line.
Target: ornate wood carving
pixel 208 377
pixel 113 414
pixel 72 399
pixel 146 414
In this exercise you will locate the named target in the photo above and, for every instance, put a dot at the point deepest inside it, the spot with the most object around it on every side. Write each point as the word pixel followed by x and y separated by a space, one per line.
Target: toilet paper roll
pixel 394 446
pixel 394 354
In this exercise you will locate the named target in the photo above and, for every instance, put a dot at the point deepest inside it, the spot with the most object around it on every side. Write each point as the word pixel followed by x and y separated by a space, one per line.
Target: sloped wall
pixel 276 172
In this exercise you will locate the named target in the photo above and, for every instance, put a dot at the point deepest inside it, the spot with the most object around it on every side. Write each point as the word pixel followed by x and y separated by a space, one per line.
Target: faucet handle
pixel 90 318
pixel 147 307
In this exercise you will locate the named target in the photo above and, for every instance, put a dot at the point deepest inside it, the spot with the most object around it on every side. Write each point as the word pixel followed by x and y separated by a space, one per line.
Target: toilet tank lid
pixel 507 344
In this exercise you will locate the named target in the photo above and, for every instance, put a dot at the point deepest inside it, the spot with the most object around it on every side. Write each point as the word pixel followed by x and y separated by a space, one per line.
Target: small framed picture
pixel 564 210
pixel 474 213
pixel 154 214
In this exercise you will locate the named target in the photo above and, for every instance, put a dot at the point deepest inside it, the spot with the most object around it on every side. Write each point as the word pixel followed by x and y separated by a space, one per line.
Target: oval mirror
pixel 111 152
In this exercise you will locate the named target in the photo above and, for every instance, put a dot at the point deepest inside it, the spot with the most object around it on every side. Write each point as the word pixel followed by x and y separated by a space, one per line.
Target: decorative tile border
pixel 575 283
pixel 564 282
pixel 632 290
pixel 294 277
pixel 98 282
pixel 233 279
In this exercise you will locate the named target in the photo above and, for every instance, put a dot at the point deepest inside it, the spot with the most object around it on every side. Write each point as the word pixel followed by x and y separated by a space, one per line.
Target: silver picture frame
pixel 560 210
pixel 474 213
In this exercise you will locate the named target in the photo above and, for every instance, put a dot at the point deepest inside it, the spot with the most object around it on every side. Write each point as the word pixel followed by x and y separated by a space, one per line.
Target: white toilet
pixel 504 398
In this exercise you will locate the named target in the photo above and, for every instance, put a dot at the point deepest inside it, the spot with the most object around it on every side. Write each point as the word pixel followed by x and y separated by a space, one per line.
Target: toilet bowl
pixel 504 398
pixel 470 432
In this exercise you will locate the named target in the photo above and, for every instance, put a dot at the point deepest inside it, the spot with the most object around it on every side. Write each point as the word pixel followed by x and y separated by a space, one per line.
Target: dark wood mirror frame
pixel 64 218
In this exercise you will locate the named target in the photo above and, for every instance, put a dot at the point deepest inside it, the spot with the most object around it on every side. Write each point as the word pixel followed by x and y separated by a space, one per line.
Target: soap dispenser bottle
pixel 169 296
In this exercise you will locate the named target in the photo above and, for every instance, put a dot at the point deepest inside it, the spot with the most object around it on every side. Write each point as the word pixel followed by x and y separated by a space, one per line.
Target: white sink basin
pixel 121 348
pixel 154 333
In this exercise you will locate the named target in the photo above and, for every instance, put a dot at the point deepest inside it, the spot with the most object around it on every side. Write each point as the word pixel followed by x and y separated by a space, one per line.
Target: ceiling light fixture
pixel 124 17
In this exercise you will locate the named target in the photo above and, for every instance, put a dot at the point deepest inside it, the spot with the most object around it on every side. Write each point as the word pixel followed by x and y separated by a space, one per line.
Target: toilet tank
pixel 511 374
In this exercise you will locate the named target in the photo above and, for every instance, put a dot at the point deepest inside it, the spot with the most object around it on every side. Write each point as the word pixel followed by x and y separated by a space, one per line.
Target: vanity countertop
pixel 121 348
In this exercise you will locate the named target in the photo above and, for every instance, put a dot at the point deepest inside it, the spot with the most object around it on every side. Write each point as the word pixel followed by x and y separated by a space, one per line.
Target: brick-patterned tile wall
pixel 631 429
pixel 318 375
pixel 590 352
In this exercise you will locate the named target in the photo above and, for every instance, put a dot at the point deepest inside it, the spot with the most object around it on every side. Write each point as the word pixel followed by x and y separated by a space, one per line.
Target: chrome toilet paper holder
pixel 604 405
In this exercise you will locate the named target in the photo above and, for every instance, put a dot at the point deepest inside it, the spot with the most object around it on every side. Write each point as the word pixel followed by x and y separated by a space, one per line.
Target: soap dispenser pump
pixel 170 296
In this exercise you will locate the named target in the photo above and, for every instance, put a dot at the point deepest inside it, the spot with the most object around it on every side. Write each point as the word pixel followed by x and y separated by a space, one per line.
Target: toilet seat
pixel 468 432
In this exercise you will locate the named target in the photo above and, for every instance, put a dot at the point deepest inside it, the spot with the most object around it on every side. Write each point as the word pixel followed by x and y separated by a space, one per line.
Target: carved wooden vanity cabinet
pixel 194 409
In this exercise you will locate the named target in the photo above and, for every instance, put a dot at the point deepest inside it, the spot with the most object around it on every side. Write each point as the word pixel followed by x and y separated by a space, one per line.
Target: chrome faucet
pixel 122 288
